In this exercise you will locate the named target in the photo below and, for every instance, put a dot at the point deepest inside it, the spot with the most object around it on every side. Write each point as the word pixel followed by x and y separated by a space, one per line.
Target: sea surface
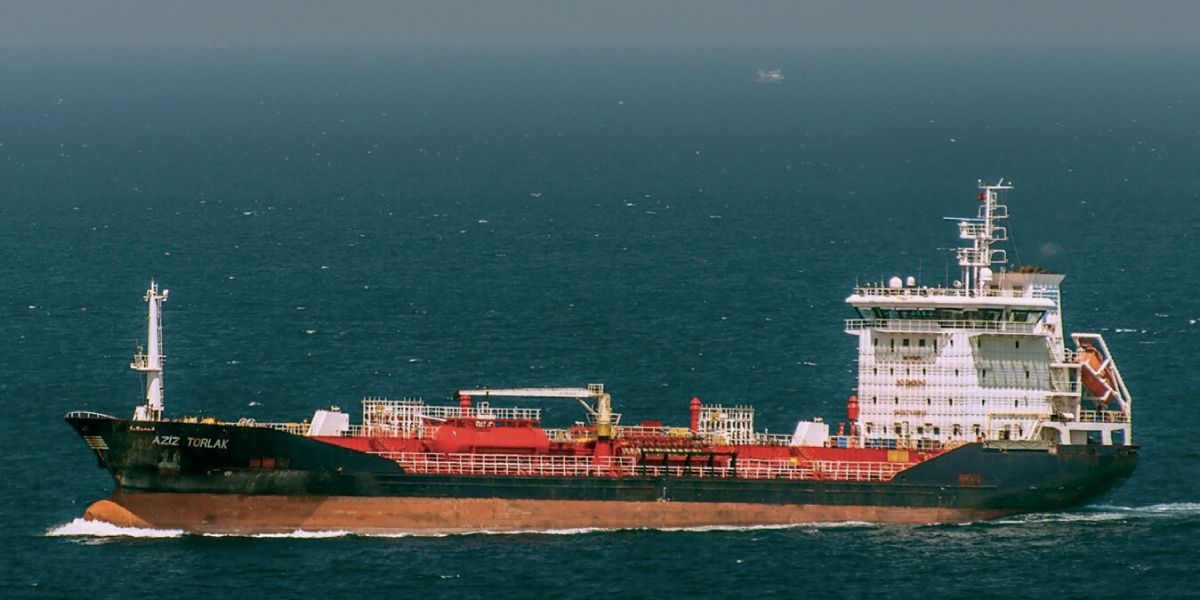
pixel 341 222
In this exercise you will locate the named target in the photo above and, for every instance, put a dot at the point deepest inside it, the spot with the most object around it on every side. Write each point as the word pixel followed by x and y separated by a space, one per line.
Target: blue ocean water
pixel 335 223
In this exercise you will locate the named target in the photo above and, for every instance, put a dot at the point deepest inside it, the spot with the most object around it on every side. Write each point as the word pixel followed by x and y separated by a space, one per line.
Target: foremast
pixel 149 359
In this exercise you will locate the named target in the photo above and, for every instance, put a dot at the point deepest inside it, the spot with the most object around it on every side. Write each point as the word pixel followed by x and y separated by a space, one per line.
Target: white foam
pixel 85 528
pixel 1162 509
pixel 1099 513
pixel 692 529
pixel 297 534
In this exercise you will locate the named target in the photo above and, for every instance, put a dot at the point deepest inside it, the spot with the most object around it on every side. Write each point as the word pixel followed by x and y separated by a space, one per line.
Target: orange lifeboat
pixel 1098 378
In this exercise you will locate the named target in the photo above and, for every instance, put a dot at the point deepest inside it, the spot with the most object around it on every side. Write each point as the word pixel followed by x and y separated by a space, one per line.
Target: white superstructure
pixel 149 360
pixel 983 359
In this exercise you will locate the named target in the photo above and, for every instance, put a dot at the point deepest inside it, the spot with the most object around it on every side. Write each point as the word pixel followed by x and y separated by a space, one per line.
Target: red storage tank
pixel 475 437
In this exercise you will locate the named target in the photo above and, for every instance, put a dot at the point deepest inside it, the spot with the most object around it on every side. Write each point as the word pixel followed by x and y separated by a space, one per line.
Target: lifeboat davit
pixel 1097 378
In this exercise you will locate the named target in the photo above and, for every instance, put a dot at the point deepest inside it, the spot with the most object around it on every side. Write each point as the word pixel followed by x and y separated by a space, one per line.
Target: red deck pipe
pixel 694 409
pixel 464 403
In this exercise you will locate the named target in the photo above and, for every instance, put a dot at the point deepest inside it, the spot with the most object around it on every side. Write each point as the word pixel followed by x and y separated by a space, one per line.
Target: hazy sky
pixel 672 22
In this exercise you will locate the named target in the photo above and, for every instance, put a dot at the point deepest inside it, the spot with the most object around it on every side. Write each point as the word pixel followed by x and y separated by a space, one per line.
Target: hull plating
pixel 197 477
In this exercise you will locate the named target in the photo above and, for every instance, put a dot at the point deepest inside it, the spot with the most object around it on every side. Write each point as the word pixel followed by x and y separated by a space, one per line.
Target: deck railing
pixel 940 292
pixel 1103 416
pixel 510 464
pixel 857 470
pixel 515 465
pixel 87 414
pixel 935 325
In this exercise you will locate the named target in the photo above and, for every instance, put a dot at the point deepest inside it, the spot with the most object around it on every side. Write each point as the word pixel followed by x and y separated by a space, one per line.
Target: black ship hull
pixel 215 477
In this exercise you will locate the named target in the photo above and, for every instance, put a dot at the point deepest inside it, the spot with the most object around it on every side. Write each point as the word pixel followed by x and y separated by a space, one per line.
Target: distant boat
pixel 770 75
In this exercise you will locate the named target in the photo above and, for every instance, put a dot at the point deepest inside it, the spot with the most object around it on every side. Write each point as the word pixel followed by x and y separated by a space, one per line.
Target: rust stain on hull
pixel 249 514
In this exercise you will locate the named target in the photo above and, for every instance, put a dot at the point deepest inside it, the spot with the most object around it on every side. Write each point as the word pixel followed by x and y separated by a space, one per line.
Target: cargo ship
pixel 970 405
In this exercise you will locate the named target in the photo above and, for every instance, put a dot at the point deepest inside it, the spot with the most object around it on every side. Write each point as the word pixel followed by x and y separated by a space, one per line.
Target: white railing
pixel 292 428
pixel 638 431
pixel 839 470
pixel 828 470
pixel 925 292
pixel 517 465
pixel 510 464
pixel 772 439
pixel 87 414
pixel 934 325
pixel 481 411
pixel 1103 416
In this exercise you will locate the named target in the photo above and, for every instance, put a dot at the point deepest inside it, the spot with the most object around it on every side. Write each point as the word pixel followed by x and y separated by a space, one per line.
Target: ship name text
pixel 191 442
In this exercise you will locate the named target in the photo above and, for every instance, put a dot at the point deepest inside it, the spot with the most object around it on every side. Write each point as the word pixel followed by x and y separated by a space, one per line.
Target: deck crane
pixel 601 413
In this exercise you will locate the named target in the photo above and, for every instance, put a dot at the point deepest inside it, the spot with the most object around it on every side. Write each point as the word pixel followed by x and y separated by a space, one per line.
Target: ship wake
pixel 87 528
pixel 84 528
pixel 1100 513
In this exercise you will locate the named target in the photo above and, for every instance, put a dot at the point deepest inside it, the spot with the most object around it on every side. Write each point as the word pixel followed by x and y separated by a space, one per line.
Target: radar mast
pixel 977 260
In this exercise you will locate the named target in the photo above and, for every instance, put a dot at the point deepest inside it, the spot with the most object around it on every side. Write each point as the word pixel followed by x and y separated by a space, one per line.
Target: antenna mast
pixel 150 359
pixel 976 261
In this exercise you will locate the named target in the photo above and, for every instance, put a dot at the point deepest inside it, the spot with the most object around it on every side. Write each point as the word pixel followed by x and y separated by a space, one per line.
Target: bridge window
pixel 956 431
pixel 906 342
pixel 1025 316
pixel 1017 344
pixel 921 342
